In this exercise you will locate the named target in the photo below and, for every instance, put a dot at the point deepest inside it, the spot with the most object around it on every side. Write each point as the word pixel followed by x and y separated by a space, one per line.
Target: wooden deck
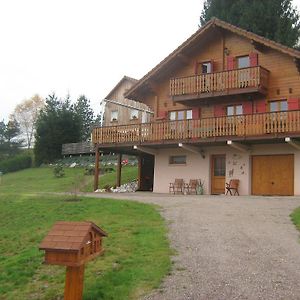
pixel 235 126
pixel 240 81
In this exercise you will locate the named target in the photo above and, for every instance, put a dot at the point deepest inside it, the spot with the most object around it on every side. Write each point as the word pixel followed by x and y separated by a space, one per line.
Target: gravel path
pixel 229 247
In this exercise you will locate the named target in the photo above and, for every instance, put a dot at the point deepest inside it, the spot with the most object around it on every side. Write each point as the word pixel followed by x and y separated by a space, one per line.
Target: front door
pixel 218 171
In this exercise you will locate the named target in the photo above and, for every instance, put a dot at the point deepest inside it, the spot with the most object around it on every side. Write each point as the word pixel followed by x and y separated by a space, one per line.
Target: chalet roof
pixel 125 78
pixel 69 235
pixel 214 22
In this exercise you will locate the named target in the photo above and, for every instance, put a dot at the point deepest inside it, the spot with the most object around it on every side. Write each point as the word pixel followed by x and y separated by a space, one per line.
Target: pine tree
pixel 277 20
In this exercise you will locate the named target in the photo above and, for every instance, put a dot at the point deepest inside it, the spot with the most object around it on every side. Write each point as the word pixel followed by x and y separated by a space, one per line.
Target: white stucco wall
pixel 238 165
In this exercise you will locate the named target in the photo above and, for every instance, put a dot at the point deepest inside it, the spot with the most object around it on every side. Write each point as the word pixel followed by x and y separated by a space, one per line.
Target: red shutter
pixel 219 111
pixel 247 108
pixel 196 68
pixel 162 114
pixel 293 104
pixel 196 113
pixel 253 56
pixel 212 63
pixel 230 62
pixel 260 106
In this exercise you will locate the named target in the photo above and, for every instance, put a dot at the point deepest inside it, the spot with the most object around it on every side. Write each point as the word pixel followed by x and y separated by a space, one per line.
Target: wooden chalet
pixel 226 106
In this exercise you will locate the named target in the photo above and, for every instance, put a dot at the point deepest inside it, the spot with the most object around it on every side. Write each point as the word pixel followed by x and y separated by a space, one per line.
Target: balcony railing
pixel 226 82
pixel 240 126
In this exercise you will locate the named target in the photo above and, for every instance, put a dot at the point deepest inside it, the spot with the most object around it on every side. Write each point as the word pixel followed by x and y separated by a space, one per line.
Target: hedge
pixel 16 163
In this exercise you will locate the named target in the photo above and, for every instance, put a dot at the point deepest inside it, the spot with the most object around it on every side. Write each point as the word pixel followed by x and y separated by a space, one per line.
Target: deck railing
pixel 253 77
pixel 243 125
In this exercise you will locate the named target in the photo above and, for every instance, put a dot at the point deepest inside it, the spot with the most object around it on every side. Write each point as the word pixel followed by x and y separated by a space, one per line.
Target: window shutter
pixel 196 68
pixel 260 106
pixel 293 103
pixel 162 115
pixel 247 108
pixel 253 57
pixel 230 62
pixel 212 63
pixel 218 111
pixel 196 113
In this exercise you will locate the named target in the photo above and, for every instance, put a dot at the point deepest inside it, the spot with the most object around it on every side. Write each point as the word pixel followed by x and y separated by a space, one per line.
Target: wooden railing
pixel 253 77
pixel 243 125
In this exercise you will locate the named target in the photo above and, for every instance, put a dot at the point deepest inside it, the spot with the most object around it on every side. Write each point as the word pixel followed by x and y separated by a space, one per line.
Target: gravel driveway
pixel 229 247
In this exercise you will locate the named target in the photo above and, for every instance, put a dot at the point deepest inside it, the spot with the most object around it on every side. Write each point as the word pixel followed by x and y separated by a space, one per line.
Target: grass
pixel 295 216
pixel 137 251
pixel 42 180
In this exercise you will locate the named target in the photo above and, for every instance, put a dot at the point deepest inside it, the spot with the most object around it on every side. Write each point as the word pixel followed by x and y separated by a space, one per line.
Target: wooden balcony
pixel 242 81
pixel 243 126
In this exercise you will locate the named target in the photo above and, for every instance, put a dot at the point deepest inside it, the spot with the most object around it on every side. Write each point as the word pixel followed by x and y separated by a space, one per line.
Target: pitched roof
pixel 214 22
pixel 69 235
pixel 125 78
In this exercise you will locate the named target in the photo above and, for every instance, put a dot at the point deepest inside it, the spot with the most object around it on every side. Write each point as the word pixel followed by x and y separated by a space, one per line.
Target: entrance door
pixel 146 172
pixel 218 171
pixel 273 175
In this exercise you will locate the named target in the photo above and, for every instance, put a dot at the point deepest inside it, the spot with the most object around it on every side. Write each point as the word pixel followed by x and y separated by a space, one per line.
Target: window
pixel 134 114
pixel 234 110
pixel 219 165
pixel 180 115
pixel 177 160
pixel 114 116
pixel 206 67
pixel 281 105
pixel 243 62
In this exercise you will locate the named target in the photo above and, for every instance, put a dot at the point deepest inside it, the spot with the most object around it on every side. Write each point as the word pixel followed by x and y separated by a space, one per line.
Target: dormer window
pixel 243 62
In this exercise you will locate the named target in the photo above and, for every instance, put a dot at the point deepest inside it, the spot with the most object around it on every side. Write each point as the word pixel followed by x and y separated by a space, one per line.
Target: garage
pixel 273 175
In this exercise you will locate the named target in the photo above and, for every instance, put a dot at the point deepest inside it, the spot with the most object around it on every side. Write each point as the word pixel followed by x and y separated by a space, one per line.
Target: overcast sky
pixel 85 47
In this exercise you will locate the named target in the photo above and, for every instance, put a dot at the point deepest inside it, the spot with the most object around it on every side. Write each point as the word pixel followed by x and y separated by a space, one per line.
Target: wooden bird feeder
pixel 72 244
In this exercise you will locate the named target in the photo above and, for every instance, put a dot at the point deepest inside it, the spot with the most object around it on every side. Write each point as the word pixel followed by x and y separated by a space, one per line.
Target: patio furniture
pixel 232 187
pixel 177 186
pixel 192 186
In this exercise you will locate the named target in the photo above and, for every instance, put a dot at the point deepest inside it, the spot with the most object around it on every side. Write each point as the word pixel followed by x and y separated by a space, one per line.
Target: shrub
pixel 18 162
pixel 58 171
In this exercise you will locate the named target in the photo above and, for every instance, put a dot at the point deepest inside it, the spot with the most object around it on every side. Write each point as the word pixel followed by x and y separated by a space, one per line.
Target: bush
pixel 18 162
pixel 58 171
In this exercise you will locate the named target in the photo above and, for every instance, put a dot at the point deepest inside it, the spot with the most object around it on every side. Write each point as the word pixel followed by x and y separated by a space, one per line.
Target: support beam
pixel 238 146
pixel 96 175
pixel 294 143
pixel 119 170
pixel 145 149
pixel 192 149
pixel 74 283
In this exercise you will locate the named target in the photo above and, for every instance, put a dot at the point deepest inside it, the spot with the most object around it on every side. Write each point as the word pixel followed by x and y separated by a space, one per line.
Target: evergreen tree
pixel 86 116
pixel 57 124
pixel 277 20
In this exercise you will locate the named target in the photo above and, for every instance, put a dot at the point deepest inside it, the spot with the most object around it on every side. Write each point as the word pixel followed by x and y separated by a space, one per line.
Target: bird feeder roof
pixel 69 236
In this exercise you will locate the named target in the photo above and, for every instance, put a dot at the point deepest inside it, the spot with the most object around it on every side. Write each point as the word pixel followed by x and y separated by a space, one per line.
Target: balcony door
pixel 218 171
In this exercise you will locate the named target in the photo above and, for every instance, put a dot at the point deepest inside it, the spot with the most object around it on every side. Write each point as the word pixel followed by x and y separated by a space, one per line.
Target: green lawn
pixel 137 251
pixel 295 216
pixel 42 180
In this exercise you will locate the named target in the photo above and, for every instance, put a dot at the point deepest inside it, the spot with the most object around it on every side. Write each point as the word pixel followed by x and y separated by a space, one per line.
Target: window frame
pixel 234 110
pixel 240 57
pixel 185 112
pixel 172 160
pixel 111 115
pixel 132 116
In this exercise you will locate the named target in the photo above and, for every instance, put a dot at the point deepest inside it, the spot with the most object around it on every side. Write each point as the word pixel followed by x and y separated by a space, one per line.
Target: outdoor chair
pixel 232 187
pixel 177 186
pixel 192 186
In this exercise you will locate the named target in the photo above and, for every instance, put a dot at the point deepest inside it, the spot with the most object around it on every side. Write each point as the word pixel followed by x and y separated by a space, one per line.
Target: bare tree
pixel 26 114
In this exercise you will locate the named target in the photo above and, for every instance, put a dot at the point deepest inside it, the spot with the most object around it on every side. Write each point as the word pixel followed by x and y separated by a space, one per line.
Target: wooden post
pixel 96 175
pixel 139 172
pixel 119 170
pixel 74 283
